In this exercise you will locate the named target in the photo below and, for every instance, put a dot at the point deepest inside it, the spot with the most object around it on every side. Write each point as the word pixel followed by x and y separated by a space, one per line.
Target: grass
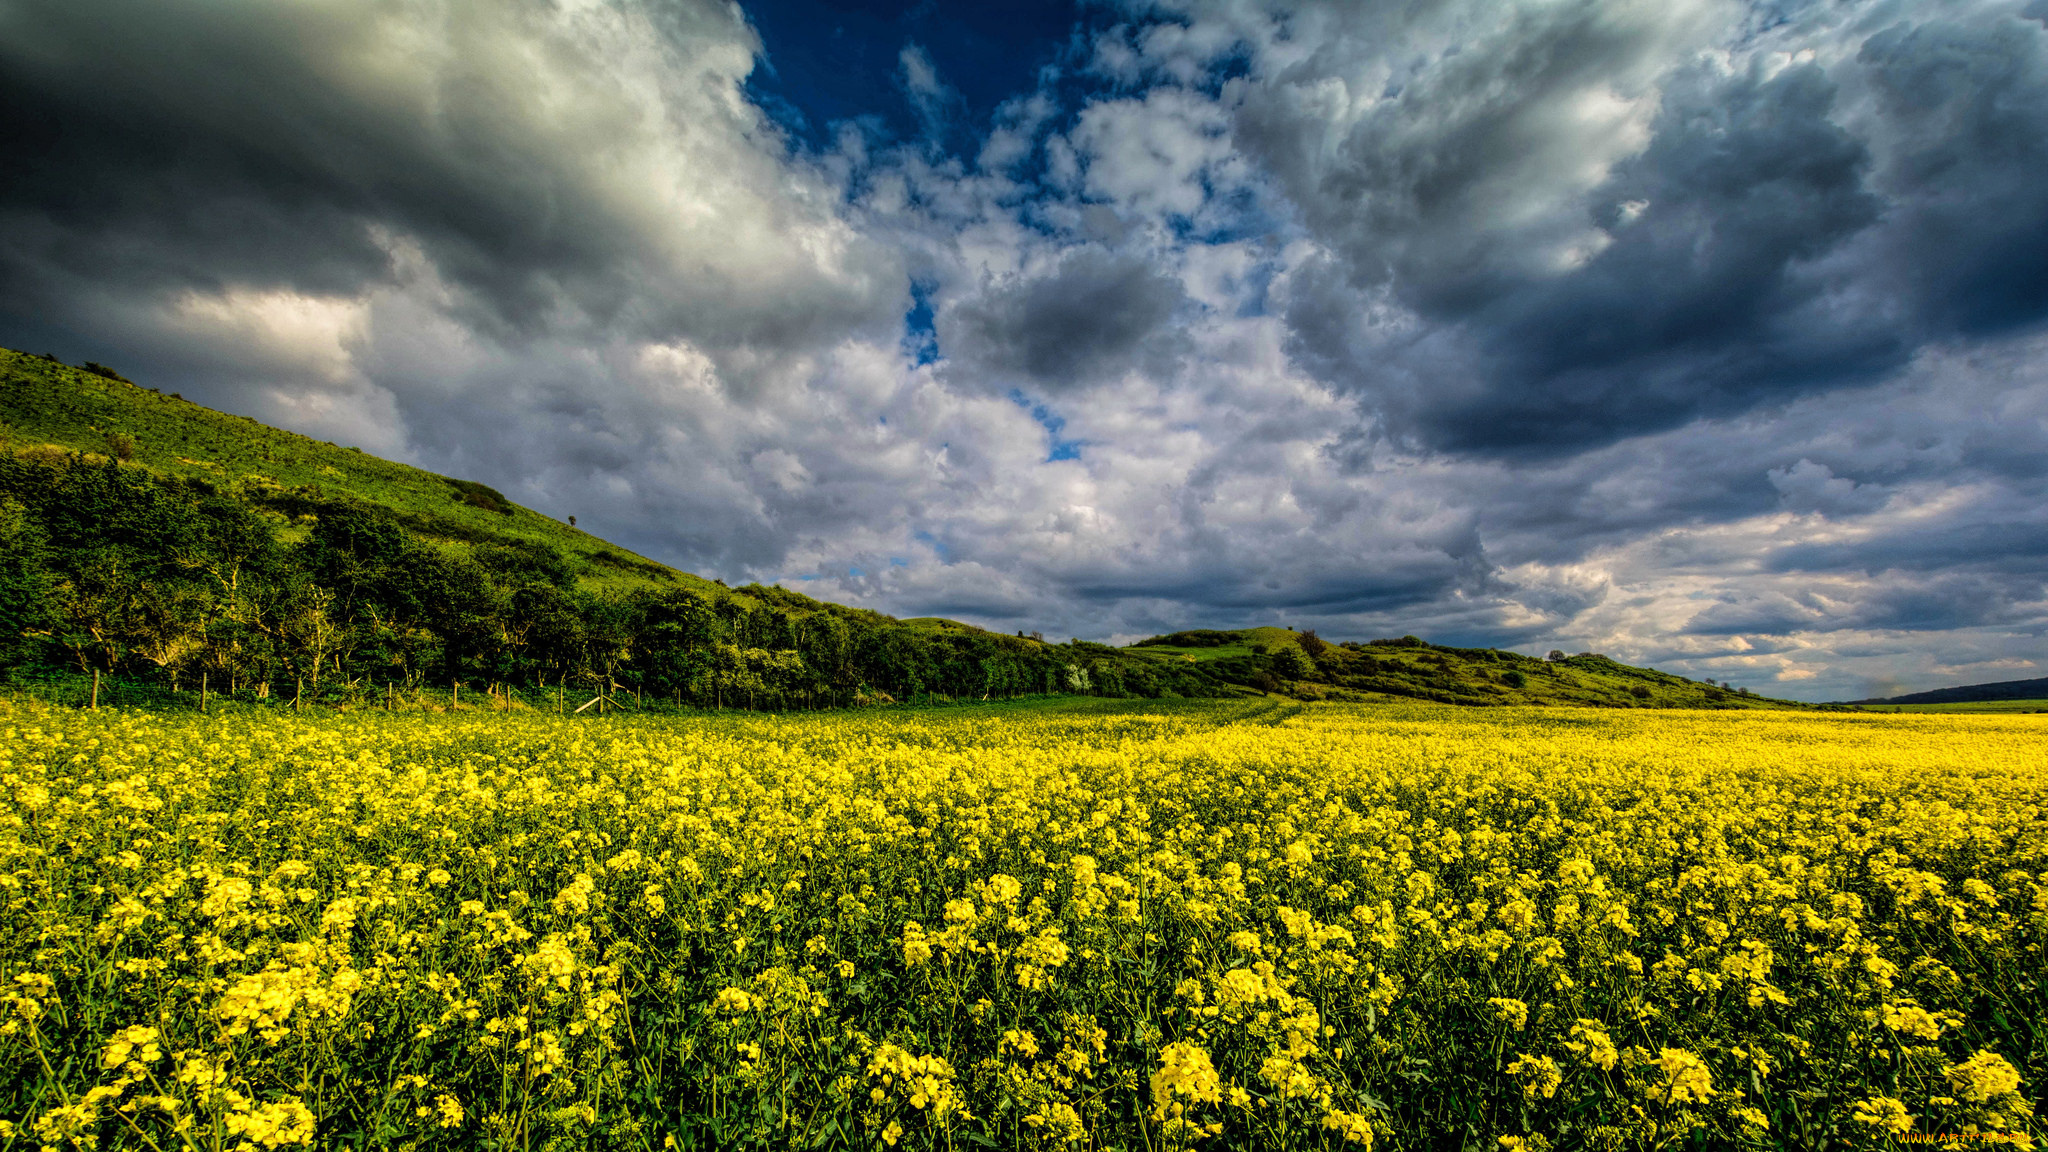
pixel 1268 637
pixel 1377 672
pixel 939 624
pixel 45 402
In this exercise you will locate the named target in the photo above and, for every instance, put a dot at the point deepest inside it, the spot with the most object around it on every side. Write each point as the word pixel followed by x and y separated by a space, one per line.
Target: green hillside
pixel 44 402
pixel 1303 665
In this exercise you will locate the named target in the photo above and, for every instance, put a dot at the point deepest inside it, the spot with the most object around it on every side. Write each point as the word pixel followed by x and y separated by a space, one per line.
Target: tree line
pixel 111 568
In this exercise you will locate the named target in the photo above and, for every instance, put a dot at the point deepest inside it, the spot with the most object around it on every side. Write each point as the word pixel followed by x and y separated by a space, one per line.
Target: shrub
pixel 481 496
pixel 1291 663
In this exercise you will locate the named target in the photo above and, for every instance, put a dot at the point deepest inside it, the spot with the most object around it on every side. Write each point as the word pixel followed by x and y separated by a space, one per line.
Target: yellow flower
pixel 1686 1077
pixel 274 1124
pixel 1884 1113
pixel 1912 1020
pixel 1590 1040
pixel 1983 1077
pixel 1352 1126
pixel 1184 1072
pixel 737 1002
pixel 1513 1013
pixel 1540 1075
pixel 1020 1042
pixel 137 1041
pixel 917 947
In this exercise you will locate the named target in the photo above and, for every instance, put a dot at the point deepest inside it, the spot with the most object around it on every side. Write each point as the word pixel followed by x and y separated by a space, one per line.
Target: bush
pixel 1292 663
pixel 482 496
pixel 1193 638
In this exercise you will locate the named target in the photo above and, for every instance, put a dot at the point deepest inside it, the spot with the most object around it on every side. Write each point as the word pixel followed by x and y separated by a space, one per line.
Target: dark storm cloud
pixel 1332 594
pixel 1939 603
pixel 1785 228
pixel 2011 546
pixel 520 148
pixel 1704 302
pixel 1969 106
pixel 1092 315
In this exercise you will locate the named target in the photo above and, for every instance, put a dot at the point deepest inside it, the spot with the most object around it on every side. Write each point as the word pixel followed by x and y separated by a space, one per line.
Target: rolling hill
pixel 45 403
pixel 1415 669
pixel 150 538
pixel 1972 693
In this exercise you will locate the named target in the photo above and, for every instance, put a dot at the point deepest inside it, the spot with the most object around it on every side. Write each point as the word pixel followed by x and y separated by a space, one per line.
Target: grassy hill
pixel 1301 664
pixel 47 403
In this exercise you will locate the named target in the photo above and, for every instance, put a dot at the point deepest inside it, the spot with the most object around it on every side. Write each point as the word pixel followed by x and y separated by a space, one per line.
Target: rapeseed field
pixel 1097 925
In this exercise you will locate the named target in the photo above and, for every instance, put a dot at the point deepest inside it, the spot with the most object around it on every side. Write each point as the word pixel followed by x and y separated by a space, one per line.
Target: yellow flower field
pixel 1092 925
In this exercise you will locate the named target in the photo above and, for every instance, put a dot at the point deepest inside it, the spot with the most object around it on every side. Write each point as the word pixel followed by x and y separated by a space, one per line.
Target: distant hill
pixel 1971 693
pixel 1304 665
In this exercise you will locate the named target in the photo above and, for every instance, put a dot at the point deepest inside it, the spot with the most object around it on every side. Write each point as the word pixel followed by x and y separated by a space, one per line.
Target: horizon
pixel 1706 336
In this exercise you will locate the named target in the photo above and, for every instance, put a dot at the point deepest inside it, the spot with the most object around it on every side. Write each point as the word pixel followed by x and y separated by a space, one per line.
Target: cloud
pixel 1598 220
pixel 934 101
pixel 1703 334
pixel 1086 317
pixel 590 168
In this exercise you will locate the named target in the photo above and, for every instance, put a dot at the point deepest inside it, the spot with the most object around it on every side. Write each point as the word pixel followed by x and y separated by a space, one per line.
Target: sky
pixel 1708 335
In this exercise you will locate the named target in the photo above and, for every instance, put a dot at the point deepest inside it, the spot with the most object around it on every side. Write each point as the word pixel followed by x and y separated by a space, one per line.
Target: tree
pixel 24 584
pixel 1312 644
pixel 1291 663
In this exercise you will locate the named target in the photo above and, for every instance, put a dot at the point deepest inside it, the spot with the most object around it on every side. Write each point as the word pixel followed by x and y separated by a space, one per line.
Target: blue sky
pixel 1706 334
pixel 825 63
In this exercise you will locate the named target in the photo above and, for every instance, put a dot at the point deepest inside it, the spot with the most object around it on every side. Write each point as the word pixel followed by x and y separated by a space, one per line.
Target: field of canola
pixel 1096 925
